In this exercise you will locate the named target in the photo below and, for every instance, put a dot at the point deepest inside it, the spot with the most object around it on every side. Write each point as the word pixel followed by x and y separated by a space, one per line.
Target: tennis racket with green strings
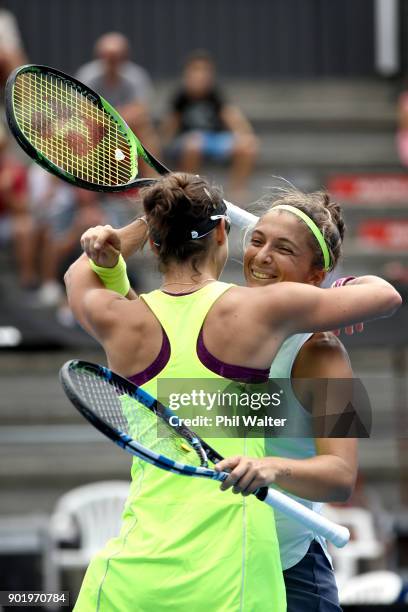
pixel 71 131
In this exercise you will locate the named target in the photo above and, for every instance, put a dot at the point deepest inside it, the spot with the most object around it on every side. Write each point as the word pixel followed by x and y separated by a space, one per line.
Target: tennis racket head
pixel 72 132
pixel 134 419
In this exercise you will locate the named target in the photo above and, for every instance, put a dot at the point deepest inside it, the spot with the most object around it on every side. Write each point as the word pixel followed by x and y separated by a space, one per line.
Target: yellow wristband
pixel 114 278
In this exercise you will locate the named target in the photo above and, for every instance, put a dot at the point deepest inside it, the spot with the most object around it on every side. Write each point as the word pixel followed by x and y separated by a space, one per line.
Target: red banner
pixel 369 188
pixel 384 233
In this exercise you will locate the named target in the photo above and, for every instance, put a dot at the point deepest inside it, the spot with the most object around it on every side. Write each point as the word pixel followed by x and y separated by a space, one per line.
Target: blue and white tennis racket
pixel 130 416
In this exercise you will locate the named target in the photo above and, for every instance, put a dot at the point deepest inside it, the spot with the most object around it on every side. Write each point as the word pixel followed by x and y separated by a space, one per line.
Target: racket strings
pixel 113 405
pixel 71 131
pixel 87 116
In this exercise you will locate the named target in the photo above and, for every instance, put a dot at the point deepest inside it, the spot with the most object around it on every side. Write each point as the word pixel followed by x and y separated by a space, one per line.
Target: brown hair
pixel 325 213
pixel 174 205
pixel 199 55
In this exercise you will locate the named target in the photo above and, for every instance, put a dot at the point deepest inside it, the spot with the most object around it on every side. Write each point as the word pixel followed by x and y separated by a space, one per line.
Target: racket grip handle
pixel 336 534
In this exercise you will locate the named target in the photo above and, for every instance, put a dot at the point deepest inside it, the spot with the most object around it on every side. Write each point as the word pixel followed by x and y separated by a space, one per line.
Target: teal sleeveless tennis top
pixel 294 537
pixel 184 545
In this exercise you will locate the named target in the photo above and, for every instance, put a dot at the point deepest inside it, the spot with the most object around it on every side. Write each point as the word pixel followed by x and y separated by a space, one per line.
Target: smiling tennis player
pixel 299 239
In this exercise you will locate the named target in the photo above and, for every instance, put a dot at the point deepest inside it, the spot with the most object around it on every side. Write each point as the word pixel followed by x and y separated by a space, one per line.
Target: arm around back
pixel 299 307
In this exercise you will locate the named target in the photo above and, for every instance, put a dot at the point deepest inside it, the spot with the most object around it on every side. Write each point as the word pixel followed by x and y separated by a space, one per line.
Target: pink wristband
pixel 340 282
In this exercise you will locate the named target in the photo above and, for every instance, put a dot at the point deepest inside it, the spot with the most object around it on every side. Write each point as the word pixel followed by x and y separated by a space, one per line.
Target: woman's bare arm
pixel 330 475
pixel 298 307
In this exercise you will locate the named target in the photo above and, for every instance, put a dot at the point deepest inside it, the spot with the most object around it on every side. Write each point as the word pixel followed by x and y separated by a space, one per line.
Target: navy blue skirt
pixel 310 584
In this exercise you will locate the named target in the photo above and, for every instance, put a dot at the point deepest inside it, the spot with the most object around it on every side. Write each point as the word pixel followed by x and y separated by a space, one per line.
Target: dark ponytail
pixel 175 205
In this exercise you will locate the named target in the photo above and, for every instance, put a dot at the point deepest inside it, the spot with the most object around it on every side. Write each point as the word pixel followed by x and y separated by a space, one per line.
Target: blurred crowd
pixel 42 218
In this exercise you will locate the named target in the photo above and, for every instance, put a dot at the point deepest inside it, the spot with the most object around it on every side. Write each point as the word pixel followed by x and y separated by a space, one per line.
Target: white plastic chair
pixel 91 514
pixel 380 587
pixel 363 544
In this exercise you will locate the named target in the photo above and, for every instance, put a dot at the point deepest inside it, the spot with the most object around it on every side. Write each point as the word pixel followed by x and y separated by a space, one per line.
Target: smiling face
pixel 280 250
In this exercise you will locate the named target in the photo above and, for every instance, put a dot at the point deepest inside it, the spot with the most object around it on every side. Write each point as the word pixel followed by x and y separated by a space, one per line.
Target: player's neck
pixel 186 277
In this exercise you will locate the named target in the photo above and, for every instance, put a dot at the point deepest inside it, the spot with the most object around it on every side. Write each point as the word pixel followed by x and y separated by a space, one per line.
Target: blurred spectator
pixel 87 212
pixel 52 204
pixel 124 84
pixel 11 46
pixel 202 125
pixel 396 272
pixel 402 129
pixel 16 224
pixel 61 214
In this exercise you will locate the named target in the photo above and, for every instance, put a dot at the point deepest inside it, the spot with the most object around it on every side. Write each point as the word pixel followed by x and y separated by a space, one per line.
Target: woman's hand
pixel 350 329
pixel 248 474
pixel 102 244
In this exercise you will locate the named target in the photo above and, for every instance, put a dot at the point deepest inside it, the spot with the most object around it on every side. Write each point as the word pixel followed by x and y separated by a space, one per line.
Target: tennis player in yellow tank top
pixel 184 545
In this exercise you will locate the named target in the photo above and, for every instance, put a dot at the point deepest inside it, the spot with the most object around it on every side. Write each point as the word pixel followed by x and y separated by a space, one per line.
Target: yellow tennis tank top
pixel 184 545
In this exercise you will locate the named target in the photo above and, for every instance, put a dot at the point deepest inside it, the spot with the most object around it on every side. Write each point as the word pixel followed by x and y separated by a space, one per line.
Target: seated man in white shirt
pixel 122 83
